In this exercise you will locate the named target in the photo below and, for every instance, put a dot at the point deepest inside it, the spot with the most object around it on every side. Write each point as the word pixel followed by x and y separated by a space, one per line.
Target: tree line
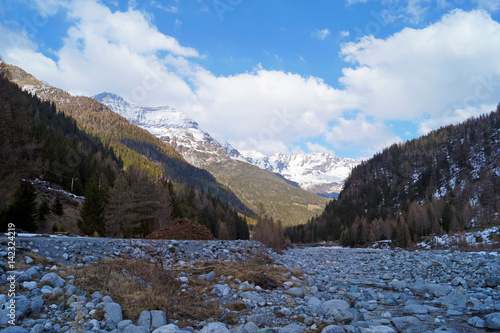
pixel 446 181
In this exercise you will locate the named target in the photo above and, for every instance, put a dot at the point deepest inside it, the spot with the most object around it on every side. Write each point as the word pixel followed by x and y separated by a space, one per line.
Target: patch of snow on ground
pixel 473 238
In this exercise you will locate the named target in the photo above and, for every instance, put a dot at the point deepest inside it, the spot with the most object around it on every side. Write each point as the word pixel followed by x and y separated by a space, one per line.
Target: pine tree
pixel 43 209
pixel 57 207
pixel 118 210
pixel 92 213
pixel 23 211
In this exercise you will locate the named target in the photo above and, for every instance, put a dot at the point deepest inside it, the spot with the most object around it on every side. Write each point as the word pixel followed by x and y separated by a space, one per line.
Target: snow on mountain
pixel 172 126
pixel 319 173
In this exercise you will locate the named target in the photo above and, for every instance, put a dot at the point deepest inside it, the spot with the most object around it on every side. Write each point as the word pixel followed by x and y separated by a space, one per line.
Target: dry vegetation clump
pixel 254 271
pixel 138 285
pixel 22 265
pixel 182 229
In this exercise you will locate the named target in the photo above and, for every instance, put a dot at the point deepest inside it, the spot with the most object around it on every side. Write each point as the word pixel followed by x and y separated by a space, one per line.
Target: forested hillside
pixel 126 193
pixel 446 181
pixel 131 144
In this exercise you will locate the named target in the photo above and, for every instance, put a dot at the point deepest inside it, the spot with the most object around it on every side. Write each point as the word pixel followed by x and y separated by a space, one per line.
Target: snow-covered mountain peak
pixel 160 116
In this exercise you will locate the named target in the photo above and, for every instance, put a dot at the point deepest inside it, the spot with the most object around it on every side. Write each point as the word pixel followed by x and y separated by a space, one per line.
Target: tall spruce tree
pixel 92 213
pixel 23 211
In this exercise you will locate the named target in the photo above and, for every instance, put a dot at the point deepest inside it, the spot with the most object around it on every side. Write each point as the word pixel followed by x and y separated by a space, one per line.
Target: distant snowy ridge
pixel 319 173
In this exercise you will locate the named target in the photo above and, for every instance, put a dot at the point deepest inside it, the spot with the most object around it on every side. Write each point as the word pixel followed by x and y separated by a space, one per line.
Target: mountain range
pixel 319 173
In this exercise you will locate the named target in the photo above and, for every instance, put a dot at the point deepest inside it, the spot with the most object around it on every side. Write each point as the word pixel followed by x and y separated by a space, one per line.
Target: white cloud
pixel 49 7
pixel 457 116
pixel 320 34
pixel 318 148
pixel 432 71
pixel 264 106
pixel 360 132
pixel 489 5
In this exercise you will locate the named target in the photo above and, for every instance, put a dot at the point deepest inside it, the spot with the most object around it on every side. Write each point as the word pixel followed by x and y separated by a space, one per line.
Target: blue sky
pixel 343 76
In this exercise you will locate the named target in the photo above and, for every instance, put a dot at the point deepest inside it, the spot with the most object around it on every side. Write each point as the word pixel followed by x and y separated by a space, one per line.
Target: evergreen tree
pixel 23 210
pixel 92 212
pixel 57 207
pixel 43 209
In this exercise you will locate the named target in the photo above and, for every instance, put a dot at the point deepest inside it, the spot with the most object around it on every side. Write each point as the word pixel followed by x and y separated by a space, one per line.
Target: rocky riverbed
pixel 321 289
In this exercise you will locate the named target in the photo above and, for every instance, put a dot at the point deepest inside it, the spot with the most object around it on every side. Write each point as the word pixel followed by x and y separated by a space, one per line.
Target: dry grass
pixel 138 285
pixel 256 272
pixel 36 260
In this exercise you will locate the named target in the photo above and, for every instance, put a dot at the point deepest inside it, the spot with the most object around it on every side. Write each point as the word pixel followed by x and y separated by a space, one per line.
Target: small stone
pixel 286 312
pixel 30 285
pixel 296 291
pixel 215 328
pixel 124 323
pixel 476 322
pixel 256 319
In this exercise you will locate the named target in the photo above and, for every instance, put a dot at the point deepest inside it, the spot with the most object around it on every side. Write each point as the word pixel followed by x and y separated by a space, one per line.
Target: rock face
pixel 339 290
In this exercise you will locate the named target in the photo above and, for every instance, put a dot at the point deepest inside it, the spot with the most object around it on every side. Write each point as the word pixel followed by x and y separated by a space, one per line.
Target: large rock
pixel 292 328
pixel 253 296
pixel 336 304
pixel 407 324
pixel 492 321
pixel 170 328
pixel 158 318
pixel 113 312
pixel 54 279
pixel 381 329
pixel 134 329
pixel 145 319
pixel 333 329
pixel 215 328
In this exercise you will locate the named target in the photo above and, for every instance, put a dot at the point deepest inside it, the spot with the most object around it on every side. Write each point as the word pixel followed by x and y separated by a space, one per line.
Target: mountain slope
pixel 446 181
pixel 132 144
pixel 281 198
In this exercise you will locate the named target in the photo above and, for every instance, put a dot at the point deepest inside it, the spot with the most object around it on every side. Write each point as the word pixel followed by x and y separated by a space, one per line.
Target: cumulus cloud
pixel 432 71
pixel 264 105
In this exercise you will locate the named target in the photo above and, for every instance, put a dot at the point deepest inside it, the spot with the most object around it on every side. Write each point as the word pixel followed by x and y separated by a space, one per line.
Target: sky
pixel 349 77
